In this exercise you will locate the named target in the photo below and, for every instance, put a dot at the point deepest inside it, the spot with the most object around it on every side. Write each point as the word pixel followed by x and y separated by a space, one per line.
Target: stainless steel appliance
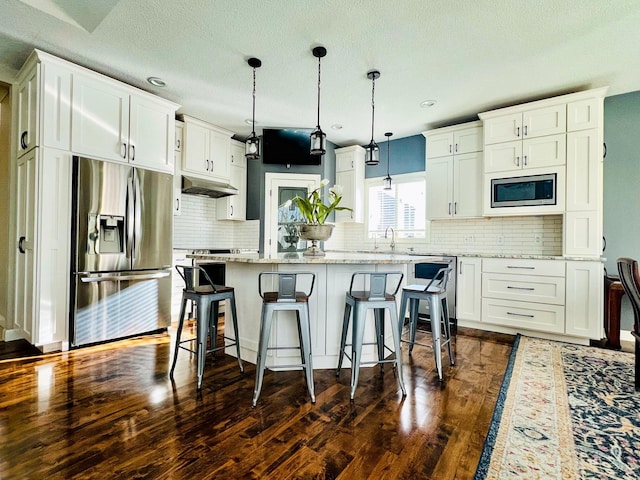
pixel 121 251
pixel 423 272
pixel 524 191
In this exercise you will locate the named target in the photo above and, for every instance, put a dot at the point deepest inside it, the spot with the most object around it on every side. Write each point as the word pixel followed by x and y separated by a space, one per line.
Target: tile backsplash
pixel 534 235
pixel 198 227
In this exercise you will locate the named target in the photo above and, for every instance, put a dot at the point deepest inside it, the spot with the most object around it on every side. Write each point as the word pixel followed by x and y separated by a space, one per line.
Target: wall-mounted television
pixel 288 146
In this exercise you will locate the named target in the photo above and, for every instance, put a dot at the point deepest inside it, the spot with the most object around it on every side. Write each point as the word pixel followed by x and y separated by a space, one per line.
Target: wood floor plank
pixel 110 411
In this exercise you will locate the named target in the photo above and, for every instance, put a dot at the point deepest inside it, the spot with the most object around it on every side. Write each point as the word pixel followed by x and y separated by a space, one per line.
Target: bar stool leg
pixel 398 353
pixel 379 320
pixel 435 312
pixel 305 348
pixel 403 311
pixel 343 341
pixel 359 314
pixel 265 333
pixel 234 319
pixel 213 324
pixel 202 324
pixel 447 328
pixel 414 304
pixel 178 334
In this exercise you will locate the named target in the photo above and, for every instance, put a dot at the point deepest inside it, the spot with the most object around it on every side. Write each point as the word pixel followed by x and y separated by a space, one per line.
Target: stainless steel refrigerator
pixel 121 251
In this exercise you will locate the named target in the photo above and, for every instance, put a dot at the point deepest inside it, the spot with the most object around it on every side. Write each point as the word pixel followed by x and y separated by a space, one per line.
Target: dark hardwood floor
pixel 110 411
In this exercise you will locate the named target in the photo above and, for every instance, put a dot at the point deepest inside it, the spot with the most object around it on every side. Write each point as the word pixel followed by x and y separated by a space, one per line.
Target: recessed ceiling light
pixel 336 126
pixel 427 103
pixel 249 121
pixel 156 82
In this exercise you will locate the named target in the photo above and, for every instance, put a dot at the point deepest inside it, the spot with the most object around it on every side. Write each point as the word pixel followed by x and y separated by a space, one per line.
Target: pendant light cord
pixel 373 105
pixel 253 120
pixel 388 138
pixel 318 124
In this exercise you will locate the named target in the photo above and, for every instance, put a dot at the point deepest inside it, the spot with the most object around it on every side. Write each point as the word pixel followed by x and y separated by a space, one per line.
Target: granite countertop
pixel 330 257
pixel 374 257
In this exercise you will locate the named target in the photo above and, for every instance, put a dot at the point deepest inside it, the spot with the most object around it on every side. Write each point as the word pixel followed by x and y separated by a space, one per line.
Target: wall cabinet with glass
pixel 350 174
pixel 234 207
pixel 454 171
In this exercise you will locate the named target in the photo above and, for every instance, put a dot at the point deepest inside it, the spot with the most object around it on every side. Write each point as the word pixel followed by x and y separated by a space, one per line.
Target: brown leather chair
pixel 630 278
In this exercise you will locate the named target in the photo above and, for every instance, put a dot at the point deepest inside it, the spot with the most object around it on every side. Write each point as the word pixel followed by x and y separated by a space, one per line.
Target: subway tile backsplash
pixel 198 227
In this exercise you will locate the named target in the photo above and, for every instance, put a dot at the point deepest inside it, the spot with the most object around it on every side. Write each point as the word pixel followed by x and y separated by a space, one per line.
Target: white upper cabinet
pixel 44 104
pixel 522 154
pixel 113 122
pixel 206 151
pixel 536 122
pixel 454 172
pixel 234 207
pixel 350 175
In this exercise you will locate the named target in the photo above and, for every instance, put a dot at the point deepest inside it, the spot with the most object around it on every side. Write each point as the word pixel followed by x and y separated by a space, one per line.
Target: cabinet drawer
pixel 524 288
pixel 532 316
pixel 520 266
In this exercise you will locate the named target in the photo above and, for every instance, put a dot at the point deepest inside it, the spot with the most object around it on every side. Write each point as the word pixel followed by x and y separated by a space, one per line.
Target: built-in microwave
pixel 524 191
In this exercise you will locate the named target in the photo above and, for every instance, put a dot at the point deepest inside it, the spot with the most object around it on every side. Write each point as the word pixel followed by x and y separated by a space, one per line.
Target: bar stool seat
pixel 286 297
pixel 207 298
pixel 358 302
pixel 435 293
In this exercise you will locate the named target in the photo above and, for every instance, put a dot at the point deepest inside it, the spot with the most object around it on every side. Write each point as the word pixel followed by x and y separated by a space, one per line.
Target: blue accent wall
pixel 622 185
pixel 407 155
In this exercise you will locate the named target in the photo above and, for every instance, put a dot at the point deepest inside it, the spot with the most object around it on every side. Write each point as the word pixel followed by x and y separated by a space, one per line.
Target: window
pixel 403 207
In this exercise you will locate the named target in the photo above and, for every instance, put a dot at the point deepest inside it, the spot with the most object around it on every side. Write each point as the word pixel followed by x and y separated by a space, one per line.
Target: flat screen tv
pixel 288 146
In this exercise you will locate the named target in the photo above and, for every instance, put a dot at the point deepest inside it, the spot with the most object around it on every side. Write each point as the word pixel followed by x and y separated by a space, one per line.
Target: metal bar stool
pixel 286 297
pixel 207 298
pixel 378 299
pixel 435 292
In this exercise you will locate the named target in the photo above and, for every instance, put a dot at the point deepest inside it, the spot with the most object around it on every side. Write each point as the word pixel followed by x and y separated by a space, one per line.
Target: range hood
pixel 207 188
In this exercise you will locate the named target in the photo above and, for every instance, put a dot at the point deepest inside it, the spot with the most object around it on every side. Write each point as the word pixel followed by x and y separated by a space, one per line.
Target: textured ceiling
pixel 470 56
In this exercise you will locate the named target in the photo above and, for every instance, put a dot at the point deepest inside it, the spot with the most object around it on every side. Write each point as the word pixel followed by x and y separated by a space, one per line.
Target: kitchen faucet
pixel 393 237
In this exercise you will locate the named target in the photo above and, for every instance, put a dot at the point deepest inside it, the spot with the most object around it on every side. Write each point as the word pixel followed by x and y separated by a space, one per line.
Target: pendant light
pixel 372 151
pixel 318 137
pixel 387 180
pixel 252 145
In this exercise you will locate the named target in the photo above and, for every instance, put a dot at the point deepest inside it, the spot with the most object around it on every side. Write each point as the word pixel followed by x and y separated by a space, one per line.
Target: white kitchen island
pixel 326 305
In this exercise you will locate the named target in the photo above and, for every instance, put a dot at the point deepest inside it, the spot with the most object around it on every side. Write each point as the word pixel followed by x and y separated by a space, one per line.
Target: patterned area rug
pixel 564 412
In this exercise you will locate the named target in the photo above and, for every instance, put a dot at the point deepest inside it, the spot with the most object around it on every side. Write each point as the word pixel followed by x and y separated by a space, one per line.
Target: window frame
pixel 397 179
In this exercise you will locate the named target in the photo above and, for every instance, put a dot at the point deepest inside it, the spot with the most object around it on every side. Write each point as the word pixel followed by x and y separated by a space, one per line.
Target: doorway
pixel 281 216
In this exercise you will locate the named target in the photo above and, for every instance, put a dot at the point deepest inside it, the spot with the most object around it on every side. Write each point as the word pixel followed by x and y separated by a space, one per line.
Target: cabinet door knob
pixel 23 140
pixel 20 244
pixel 178 143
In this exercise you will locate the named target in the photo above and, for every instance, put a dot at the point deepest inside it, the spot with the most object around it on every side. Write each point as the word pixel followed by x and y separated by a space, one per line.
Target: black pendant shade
pixel 252 144
pixel 372 151
pixel 318 137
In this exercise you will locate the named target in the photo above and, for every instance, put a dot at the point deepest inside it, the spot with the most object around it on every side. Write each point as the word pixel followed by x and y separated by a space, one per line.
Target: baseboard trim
pixel 13 334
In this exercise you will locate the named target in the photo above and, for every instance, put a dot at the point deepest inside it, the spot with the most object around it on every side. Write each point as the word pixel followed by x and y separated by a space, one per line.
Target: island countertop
pixel 330 258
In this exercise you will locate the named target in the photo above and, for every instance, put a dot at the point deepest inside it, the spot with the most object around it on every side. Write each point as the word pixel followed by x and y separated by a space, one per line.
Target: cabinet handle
pixel 23 140
pixel 524 160
pixel 207 165
pixel 520 315
pixel 20 244
pixel 521 268
pixel 352 160
pixel 211 166
pixel 604 150
pixel 521 288
pixel 231 210
pixel 449 208
pixel 517 161
pixel 517 131
pixel 526 130
pixel 455 208
pixel 450 148
pixel 132 152
pixel 456 148
pixel 460 268
pixel 123 150
pixel 178 143
pixel 177 204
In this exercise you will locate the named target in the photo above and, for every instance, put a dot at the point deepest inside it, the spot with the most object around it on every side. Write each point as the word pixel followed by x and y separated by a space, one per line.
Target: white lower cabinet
pixel 528 315
pixel 584 303
pixel 41 301
pixel 468 289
